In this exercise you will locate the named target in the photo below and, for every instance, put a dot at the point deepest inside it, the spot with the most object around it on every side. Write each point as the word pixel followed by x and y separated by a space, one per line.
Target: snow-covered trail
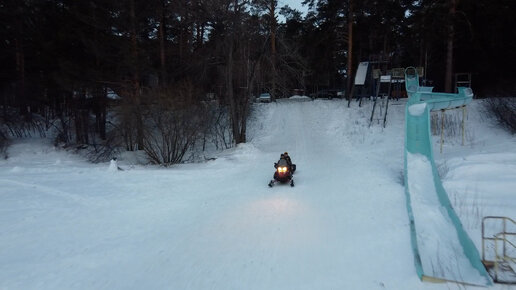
pixel 67 224
pixel 356 201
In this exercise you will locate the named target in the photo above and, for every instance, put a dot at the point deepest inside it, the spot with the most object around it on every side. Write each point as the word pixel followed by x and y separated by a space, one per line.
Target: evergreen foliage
pixel 77 61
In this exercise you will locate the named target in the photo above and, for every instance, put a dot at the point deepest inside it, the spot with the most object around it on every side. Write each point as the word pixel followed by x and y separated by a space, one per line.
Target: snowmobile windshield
pixel 282 162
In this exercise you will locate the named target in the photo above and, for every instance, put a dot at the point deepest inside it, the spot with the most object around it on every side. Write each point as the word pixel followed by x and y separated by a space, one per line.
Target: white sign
pixel 360 77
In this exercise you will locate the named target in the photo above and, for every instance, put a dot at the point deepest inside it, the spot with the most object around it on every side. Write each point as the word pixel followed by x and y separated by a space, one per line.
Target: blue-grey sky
pixel 296 4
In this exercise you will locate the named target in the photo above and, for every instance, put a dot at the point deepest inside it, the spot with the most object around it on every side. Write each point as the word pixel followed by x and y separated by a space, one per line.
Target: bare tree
pixel 235 58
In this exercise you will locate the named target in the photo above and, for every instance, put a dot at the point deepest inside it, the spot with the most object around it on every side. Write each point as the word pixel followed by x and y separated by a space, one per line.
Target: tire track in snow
pixel 52 191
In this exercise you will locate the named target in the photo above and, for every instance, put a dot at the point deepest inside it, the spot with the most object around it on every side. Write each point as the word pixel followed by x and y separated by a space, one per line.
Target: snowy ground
pixel 68 224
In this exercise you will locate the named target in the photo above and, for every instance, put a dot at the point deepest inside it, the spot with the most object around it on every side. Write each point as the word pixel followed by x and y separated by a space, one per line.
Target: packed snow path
pixel 67 224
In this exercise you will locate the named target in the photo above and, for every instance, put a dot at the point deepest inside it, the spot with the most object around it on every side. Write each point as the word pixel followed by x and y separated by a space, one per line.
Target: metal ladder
pixel 501 266
pixel 384 102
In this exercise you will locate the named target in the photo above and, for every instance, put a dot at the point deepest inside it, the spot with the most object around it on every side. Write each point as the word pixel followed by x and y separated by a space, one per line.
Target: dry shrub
pixel 18 126
pixel 14 125
pixel 172 123
pixel 504 110
pixel 4 144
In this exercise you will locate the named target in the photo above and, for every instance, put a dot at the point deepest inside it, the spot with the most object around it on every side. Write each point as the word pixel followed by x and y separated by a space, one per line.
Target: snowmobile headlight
pixel 282 169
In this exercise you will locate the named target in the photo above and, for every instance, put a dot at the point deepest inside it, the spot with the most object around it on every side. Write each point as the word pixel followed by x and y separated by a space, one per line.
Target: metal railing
pixel 506 256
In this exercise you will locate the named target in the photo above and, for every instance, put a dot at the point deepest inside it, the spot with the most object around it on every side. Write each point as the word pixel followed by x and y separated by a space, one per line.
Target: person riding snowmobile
pixel 284 170
pixel 286 157
pixel 289 161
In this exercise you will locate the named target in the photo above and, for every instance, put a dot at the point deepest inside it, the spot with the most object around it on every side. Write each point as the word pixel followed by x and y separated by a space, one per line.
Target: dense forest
pixel 164 76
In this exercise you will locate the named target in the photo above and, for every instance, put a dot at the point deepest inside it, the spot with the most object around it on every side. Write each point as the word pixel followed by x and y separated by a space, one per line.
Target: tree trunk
pixel 185 35
pixel 100 112
pixel 99 92
pixel 236 111
pixel 81 118
pixel 161 35
pixel 350 51
pixel 273 24
pixel 135 77
pixel 233 111
pixel 20 65
pixel 449 50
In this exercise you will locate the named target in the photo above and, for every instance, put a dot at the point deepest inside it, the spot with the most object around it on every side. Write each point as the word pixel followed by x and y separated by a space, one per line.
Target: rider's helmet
pixel 286 153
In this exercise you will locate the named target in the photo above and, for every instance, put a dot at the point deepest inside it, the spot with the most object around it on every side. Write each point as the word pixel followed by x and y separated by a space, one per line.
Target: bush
pixel 504 110
pixel 14 125
pixel 173 121
pixel 4 144
pixel 19 126
pixel 217 127
pixel 169 134
pixel 175 124
pixel 104 150
pixel 452 123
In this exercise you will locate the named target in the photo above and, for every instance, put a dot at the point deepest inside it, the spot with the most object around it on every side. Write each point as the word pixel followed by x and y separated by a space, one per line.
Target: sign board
pixel 360 77
pixel 385 79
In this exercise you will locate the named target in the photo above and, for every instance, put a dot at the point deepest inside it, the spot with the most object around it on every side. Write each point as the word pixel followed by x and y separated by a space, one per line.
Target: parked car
pixel 327 94
pixel 264 98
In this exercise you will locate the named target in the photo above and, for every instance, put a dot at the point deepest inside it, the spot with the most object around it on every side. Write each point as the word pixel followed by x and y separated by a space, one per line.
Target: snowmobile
pixel 284 172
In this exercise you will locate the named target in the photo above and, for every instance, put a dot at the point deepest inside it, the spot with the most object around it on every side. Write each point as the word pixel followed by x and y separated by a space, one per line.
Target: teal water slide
pixel 443 251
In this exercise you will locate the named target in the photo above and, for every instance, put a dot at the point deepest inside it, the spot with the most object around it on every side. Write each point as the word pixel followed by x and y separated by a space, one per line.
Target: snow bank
pixel 300 98
pixel 241 152
pixel 17 169
pixel 417 109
